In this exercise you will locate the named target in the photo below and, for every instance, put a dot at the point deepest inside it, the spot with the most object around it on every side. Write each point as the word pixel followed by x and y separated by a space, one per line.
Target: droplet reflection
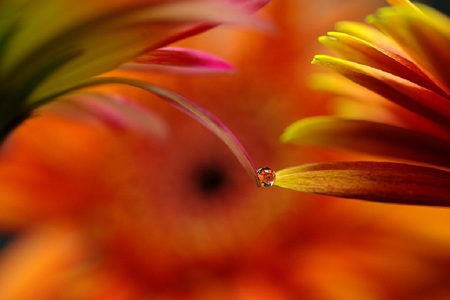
pixel 266 176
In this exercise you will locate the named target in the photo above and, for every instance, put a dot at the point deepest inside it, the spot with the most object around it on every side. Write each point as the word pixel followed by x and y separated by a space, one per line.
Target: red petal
pixel 374 181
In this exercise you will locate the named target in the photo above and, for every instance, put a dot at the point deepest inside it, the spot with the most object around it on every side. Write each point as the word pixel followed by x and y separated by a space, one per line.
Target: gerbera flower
pixel 402 60
pixel 177 217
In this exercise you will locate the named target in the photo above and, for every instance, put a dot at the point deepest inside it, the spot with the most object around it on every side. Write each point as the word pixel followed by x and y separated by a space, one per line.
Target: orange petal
pixel 374 181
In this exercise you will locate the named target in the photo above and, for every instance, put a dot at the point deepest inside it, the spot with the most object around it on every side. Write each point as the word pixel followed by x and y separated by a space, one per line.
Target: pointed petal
pixel 190 108
pixel 102 38
pixel 369 34
pixel 373 181
pixel 369 137
pixel 115 111
pixel 363 52
pixel 424 34
pixel 403 92
pixel 179 61
pixel 354 100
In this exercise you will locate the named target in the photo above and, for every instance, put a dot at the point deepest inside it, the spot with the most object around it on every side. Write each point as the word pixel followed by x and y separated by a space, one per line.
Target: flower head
pixel 400 108
pixel 165 212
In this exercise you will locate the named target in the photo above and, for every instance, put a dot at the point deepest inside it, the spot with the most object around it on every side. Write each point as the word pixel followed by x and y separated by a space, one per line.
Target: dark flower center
pixel 211 180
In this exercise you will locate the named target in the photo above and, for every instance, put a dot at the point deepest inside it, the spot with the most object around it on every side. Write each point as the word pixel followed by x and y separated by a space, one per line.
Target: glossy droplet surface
pixel 266 176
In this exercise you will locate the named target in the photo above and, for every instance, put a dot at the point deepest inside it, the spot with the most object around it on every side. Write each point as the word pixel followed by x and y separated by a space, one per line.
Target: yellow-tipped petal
pixel 369 34
pixel 399 90
pixel 363 52
pixel 424 35
pixel 374 181
pixel 369 137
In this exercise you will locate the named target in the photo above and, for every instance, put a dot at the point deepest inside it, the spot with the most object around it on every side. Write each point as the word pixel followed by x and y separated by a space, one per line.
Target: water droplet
pixel 266 176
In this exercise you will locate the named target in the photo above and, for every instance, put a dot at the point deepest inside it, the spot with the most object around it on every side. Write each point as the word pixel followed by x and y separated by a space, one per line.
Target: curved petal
pixel 179 61
pixel 369 34
pixel 401 91
pixel 374 181
pixel 116 112
pixel 190 108
pixel 363 52
pixel 102 39
pixel 424 34
pixel 369 137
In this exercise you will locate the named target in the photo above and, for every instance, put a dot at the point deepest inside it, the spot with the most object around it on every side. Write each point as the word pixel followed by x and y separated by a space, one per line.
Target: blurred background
pixel 182 220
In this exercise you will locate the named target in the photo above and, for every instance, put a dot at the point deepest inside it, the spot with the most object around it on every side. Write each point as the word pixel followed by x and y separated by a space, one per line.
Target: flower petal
pixel 369 34
pixel 363 52
pixel 424 34
pixel 180 61
pixel 114 111
pixel 190 108
pixel 401 91
pixel 102 38
pixel 369 137
pixel 374 181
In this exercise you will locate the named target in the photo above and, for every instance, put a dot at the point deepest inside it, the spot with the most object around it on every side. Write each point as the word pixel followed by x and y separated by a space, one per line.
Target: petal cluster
pixel 400 111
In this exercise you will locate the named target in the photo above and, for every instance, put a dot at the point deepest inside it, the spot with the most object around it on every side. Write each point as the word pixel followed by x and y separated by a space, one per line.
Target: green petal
pixel 374 181
pixel 369 137
pixel 394 88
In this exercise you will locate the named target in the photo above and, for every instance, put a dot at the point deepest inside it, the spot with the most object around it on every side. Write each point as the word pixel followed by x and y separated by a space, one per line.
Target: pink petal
pixel 112 110
pixel 195 111
pixel 180 61
pixel 374 181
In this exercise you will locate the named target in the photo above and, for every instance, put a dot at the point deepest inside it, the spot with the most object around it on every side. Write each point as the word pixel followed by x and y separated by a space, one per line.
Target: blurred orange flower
pixel 108 206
